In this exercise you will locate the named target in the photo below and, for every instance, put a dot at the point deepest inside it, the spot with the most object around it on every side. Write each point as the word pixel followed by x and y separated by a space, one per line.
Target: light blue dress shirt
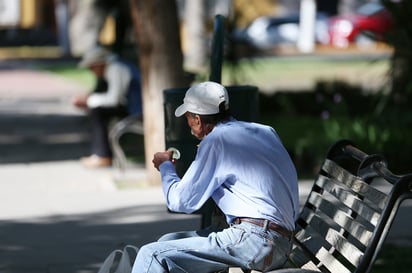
pixel 247 171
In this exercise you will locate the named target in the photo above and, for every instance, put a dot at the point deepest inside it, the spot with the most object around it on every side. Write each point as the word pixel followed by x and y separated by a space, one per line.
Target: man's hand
pixel 161 157
pixel 80 101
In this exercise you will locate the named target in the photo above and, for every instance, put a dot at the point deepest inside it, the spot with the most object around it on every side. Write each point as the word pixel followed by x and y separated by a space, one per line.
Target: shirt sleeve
pixel 197 185
pixel 118 79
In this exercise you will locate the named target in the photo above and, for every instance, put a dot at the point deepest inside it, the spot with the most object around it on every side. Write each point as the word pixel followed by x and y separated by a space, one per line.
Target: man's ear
pixel 198 120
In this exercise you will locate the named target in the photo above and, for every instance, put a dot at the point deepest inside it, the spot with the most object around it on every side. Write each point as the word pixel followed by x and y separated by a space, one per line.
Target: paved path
pixel 55 215
pixel 26 84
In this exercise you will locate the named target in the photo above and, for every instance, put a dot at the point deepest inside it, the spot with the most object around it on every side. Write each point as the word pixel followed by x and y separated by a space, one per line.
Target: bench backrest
pixel 348 212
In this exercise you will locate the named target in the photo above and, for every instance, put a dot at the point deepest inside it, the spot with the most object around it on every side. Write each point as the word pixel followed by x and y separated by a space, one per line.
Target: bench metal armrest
pixel 130 124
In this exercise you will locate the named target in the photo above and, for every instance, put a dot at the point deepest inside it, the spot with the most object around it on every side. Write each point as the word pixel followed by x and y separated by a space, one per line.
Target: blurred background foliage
pixel 378 120
pixel 310 121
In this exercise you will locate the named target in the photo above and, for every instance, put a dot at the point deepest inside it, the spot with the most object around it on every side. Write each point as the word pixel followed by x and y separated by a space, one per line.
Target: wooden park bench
pixel 348 213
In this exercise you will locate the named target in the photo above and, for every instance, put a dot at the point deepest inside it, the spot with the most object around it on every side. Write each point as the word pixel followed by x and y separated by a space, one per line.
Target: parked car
pixel 366 26
pixel 268 32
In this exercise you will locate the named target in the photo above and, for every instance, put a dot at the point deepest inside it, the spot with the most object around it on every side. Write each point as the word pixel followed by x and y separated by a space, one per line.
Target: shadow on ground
pixel 28 137
pixel 80 243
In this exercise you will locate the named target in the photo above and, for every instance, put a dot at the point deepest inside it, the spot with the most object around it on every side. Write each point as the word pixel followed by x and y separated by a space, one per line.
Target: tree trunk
pixel 161 63
pixel 195 36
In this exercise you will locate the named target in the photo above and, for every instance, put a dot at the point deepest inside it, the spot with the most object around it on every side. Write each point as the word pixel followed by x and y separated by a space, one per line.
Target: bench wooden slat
pixel 328 207
pixel 339 190
pixel 373 196
pixel 298 259
pixel 358 231
pixel 316 244
pixel 331 263
pixel 349 200
pixel 318 225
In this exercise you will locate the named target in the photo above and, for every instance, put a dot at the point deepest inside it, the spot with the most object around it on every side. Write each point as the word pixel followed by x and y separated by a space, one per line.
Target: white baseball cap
pixel 95 55
pixel 204 99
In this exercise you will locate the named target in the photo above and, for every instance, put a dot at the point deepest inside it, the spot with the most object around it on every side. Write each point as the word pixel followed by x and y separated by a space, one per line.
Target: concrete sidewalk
pixel 31 190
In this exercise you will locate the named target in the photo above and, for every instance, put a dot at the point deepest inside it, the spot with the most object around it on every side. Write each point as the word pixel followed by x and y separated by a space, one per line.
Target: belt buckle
pixel 265 225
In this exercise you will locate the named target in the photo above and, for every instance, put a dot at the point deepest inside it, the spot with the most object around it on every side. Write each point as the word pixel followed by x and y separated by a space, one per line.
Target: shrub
pixel 310 121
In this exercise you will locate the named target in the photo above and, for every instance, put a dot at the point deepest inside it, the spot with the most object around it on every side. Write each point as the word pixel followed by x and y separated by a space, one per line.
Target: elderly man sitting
pixel 117 94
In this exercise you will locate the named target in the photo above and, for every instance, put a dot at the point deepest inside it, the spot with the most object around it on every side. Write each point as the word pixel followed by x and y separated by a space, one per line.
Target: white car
pixel 268 32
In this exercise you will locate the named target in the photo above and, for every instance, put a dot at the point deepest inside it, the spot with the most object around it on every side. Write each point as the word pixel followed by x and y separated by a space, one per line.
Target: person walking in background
pixel 117 94
pixel 246 170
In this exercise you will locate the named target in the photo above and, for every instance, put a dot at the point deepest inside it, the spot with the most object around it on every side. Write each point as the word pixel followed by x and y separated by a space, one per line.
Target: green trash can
pixel 244 105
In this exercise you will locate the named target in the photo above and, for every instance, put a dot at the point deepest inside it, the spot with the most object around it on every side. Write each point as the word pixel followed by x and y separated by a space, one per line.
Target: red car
pixel 364 27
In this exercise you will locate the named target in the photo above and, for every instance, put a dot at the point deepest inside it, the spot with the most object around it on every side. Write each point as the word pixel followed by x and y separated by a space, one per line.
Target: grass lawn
pixel 273 74
pixel 69 71
pixel 82 76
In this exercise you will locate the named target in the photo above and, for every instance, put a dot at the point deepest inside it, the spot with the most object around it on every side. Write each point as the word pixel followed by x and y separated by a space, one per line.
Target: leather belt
pixel 266 224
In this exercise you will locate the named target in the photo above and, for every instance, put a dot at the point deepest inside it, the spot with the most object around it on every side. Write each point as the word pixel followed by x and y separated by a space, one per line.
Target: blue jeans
pixel 242 245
